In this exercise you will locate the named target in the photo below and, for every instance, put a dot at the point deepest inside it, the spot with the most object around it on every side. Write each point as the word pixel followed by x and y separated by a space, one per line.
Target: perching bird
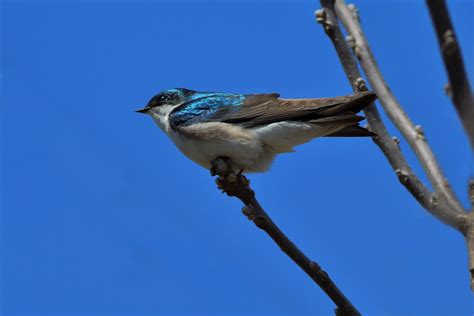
pixel 251 129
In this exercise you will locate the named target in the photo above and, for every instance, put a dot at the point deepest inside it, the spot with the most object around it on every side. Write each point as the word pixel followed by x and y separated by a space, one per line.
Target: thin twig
pixel 429 200
pixel 460 91
pixel 470 233
pixel 458 81
pixel 413 134
pixel 235 184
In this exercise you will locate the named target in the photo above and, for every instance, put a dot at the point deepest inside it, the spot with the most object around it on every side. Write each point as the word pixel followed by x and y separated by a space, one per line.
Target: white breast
pixel 250 149
pixel 206 141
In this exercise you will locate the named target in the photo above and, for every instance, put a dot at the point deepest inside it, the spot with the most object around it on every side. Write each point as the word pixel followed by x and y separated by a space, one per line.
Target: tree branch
pixel 235 184
pixel 459 86
pixel 430 201
pixel 470 233
pixel 413 134
pixel 460 91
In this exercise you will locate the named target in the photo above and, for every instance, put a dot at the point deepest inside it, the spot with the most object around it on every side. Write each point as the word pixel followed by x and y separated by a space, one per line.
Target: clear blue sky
pixel 102 215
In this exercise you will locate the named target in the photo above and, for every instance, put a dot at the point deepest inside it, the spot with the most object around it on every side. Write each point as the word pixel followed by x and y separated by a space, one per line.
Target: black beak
pixel 144 110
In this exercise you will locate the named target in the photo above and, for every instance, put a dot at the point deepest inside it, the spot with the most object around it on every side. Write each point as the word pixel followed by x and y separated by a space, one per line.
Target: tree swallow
pixel 251 129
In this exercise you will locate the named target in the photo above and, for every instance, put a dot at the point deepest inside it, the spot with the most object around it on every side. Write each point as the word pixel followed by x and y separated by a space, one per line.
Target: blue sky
pixel 101 214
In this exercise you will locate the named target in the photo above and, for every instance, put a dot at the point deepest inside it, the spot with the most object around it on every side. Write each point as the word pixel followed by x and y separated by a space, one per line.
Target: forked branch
pixel 236 184
pixel 414 135
pixel 442 203
pixel 431 201
pixel 460 91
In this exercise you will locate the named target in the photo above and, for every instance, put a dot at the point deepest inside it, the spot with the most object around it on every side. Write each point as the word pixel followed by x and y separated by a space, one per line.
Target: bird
pixel 251 129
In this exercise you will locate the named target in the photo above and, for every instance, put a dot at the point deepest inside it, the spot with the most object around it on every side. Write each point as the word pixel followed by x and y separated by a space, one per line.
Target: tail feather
pixel 344 115
pixel 342 119
pixel 356 104
pixel 334 117
pixel 352 131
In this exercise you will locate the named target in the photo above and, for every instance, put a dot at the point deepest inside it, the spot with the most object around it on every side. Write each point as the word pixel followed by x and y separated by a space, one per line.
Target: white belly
pixel 252 150
pixel 204 142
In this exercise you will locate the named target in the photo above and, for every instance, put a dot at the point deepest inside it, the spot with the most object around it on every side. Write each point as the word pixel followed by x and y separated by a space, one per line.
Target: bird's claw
pixel 220 184
pixel 228 181
pixel 220 166
pixel 213 170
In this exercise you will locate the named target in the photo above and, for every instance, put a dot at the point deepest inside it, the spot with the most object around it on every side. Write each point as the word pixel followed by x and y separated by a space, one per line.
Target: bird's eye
pixel 164 99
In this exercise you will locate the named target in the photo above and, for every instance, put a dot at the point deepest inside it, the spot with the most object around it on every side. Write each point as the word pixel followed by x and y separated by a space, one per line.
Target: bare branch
pixel 413 134
pixel 458 81
pixel 235 184
pixel 460 91
pixel 470 233
pixel 430 201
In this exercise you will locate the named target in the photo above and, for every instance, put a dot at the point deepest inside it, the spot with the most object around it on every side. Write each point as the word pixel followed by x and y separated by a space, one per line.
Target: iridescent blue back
pixel 204 107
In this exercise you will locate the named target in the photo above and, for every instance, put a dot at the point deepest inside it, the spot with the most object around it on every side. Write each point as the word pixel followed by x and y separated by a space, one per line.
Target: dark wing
pixel 335 110
pixel 215 107
pixel 260 109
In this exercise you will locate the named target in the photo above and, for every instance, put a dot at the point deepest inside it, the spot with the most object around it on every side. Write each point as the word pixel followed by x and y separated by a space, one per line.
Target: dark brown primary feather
pixel 352 131
pixel 261 109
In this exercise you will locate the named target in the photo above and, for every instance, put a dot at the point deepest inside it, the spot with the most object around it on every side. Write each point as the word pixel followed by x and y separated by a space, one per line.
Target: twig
pixel 460 91
pixel 413 134
pixel 470 233
pixel 429 200
pixel 235 184
pixel 458 81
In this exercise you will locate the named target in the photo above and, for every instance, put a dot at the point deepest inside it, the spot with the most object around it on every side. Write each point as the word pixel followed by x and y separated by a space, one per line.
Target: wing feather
pixel 253 110
pixel 276 110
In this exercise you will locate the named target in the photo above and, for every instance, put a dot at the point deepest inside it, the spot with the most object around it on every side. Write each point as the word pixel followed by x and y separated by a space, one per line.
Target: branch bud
pixel 449 45
pixel 350 41
pixel 448 90
pixel 435 199
pixel 354 11
pixel 360 84
pixel 402 176
pixel 420 134
pixel 248 211
pixel 396 140
pixel 320 15
pixel 321 18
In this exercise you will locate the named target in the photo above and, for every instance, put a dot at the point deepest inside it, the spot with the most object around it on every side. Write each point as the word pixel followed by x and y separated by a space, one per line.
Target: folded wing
pixel 255 110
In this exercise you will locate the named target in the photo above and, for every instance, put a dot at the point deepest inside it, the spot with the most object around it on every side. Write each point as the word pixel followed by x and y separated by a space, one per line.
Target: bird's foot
pixel 229 181
pixel 220 166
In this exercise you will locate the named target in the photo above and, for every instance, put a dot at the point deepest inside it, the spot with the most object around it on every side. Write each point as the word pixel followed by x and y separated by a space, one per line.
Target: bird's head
pixel 165 101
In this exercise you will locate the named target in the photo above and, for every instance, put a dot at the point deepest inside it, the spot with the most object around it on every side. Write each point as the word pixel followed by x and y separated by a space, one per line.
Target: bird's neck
pixel 161 117
pixel 162 121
